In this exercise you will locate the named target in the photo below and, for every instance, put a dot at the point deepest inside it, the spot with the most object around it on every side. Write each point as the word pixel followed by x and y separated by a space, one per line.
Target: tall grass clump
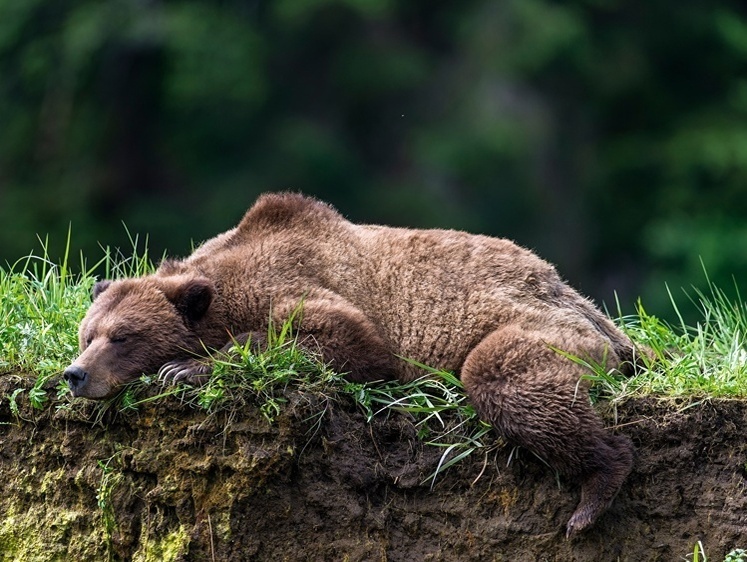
pixel 439 409
pixel 41 305
pixel 702 359
pixel 707 358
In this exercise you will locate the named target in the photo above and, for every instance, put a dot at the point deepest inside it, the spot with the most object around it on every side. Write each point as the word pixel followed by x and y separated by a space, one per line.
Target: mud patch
pixel 170 483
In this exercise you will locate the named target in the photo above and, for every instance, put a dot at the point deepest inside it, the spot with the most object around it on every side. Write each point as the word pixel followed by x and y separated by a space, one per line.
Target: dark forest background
pixel 609 136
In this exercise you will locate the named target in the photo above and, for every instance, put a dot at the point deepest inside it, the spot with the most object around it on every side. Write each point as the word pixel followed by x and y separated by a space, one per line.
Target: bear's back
pixel 437 293
pixel 433 294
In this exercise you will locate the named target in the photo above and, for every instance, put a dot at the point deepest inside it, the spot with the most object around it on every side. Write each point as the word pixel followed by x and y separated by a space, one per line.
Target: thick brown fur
pixel 480 306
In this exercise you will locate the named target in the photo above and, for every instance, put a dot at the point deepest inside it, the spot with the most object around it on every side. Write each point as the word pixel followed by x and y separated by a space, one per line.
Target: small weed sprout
pixel 699 551
pixel 736 555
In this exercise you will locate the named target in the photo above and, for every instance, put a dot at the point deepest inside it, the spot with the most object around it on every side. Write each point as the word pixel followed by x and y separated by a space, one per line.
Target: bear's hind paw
pixel 191 371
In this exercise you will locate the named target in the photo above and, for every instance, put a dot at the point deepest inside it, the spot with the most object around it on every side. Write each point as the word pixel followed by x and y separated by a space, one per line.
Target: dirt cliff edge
pixel 168 482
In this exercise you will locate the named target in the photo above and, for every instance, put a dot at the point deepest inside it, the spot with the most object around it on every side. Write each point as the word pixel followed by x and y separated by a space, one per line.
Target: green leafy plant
pixel 736 555
pixel 14 403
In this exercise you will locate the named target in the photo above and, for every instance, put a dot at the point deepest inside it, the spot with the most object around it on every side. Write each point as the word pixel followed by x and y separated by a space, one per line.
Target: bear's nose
pixel 75 376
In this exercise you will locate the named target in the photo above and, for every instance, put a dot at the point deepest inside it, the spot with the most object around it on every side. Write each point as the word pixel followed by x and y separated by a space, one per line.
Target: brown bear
pixel 482 307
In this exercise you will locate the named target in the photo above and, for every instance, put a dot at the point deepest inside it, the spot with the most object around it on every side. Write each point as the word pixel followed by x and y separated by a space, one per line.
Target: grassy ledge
pixel 42 303
pixel 705 360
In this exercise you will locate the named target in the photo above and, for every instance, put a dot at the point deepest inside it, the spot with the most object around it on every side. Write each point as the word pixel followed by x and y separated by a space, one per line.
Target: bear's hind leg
pixel 534 398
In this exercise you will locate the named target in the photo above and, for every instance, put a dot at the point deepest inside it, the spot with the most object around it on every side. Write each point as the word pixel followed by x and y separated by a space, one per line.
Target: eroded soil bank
pixel 169 482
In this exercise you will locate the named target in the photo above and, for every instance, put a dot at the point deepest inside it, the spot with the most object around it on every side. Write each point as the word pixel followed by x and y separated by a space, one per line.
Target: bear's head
pixel 133 327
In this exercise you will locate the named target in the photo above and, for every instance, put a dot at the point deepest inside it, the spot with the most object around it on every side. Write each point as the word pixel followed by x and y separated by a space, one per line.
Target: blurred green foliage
pixel 609 136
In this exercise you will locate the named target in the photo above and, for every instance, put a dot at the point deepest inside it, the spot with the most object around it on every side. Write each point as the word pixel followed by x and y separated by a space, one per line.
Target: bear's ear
pixel 191 298
pixel 99 287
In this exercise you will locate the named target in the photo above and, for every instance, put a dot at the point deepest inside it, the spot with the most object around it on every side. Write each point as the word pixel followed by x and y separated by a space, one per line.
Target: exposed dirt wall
pixel 170 483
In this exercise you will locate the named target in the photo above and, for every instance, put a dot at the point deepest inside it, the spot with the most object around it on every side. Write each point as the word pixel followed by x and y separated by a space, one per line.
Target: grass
pixel 699 555
pixel 439 409
pixel 41 305
pixel 245 380
pixel 43 302
pixel 706 359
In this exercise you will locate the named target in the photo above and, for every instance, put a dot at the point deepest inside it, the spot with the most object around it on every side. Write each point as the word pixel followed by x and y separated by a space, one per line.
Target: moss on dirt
pixel 182 485
pixel 169 547
pixel 37 531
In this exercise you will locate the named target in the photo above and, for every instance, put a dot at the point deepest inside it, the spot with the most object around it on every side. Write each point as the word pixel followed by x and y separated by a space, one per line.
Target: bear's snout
pixel 76 378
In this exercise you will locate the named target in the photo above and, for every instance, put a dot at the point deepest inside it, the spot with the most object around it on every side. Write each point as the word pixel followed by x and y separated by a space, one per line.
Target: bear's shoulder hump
pixel 283 210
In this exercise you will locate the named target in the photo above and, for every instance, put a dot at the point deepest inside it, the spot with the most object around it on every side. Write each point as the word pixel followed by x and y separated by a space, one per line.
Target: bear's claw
pixel 192 371
pixel 578 523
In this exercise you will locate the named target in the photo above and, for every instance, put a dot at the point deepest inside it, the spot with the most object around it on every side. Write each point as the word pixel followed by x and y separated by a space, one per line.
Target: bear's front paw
pixel 192 371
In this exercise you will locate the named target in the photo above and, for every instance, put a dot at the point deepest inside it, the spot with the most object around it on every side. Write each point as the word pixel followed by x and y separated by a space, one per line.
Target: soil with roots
pixel 171 482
